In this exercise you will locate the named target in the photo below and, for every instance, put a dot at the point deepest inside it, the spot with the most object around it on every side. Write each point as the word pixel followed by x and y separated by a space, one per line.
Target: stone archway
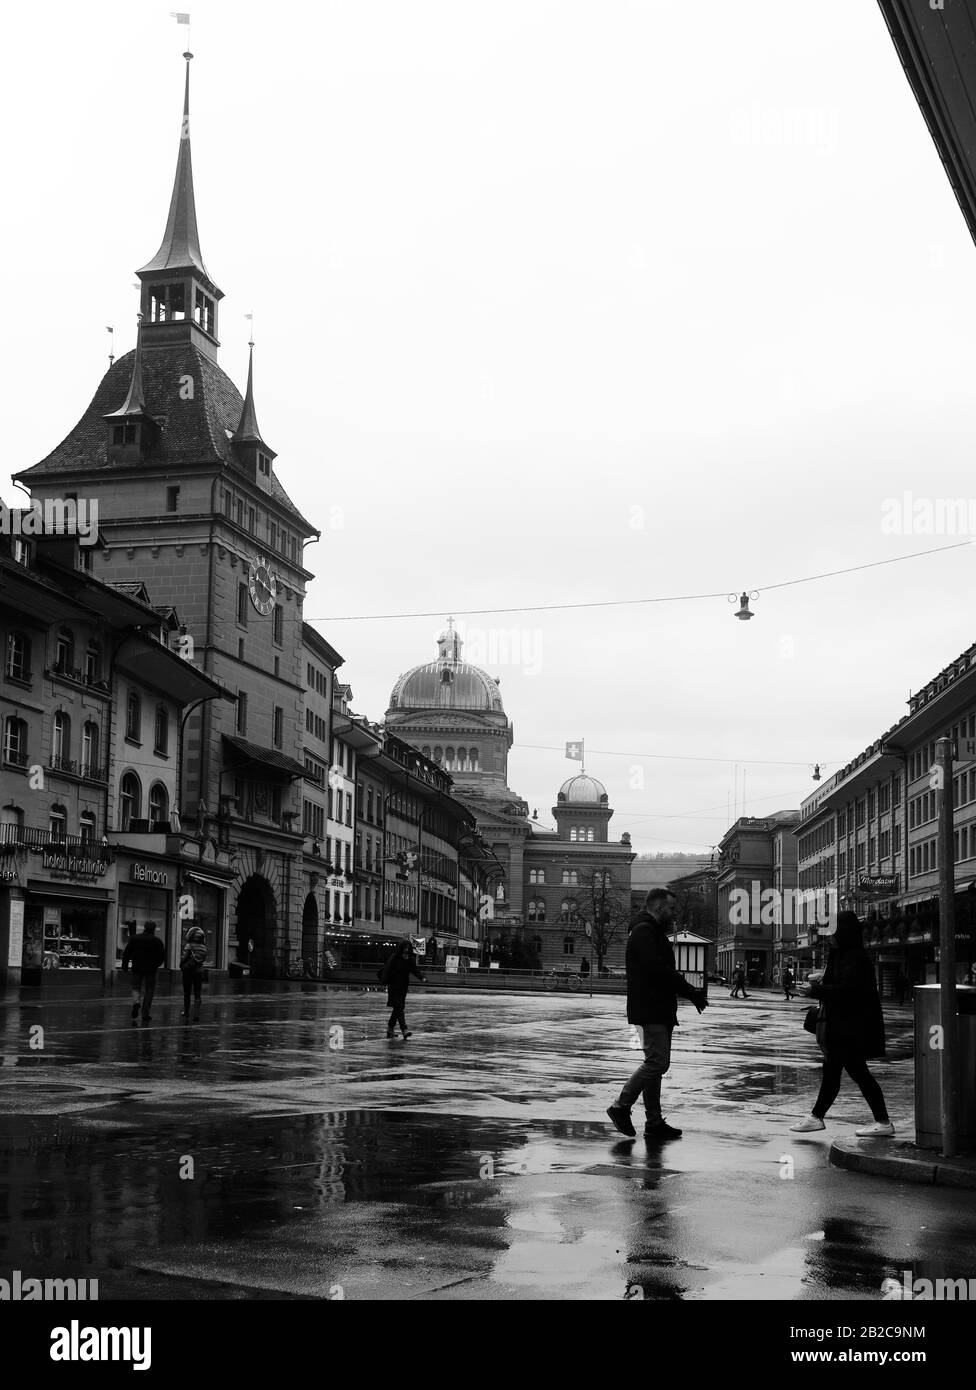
pixel 256 922
pixel 310 928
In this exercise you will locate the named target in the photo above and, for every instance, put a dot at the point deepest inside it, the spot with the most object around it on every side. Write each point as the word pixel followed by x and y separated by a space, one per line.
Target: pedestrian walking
pixel 653 986
pixel 396 976
pixel 850 1028
pixel 191 965
pixel 788 984
pixel 738 982
pixel 147 954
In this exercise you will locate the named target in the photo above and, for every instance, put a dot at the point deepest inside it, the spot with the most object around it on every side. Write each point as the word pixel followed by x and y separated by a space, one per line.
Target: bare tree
pixel 606 908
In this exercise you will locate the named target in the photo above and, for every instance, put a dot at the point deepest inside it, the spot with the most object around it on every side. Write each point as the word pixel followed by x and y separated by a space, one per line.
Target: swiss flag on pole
pixel 575 751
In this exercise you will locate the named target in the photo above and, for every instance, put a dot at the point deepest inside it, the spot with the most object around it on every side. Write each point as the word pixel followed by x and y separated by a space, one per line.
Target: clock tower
pixel 190 504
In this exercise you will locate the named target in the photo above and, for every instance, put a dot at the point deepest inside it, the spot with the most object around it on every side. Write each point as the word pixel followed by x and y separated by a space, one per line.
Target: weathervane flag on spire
pixel 180 17
pixel 575 751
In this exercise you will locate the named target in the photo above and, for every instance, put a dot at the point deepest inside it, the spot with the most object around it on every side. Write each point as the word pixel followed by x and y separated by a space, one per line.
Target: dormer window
pixel 264 465
pixel 124 434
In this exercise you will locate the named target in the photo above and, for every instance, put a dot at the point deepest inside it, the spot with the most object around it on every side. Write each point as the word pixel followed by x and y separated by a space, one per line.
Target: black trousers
pixel 835 1064
pixel 192 980
pixel 397 1017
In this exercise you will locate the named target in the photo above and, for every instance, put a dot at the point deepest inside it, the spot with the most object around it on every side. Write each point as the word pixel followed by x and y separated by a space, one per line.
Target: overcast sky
pixel 554 303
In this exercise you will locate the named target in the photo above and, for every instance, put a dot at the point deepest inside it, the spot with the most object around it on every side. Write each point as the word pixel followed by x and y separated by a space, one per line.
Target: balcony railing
pixel 14 758
pixel 91 772
pixel 28 837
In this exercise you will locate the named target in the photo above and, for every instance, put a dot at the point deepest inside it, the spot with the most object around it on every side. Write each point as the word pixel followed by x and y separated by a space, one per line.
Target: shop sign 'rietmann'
pixel 72 865
pixel 147 873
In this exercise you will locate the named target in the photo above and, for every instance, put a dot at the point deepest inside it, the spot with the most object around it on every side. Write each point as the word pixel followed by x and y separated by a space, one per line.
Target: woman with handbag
pixel 396 976
pixel 849 1028
pixel 191 967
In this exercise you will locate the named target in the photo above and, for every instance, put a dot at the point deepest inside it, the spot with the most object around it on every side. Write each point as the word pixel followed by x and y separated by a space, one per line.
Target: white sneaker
pixel 804 1126
pixel 876 1131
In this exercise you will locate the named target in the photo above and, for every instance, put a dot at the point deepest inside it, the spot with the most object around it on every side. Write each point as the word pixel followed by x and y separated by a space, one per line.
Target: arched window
pixel 58 822
pixel 472 760
pixel 93 663
pixel 537 945
pixel 540 909
pixel 162 729
pixel 541 876
pixel 61 739
pixel 18 657
pixel 589 835
pixel 462 760
pixel 449 760
pixel 130 800
pixel 64 656
pixel 426 750
pixel 87 828
pixel 15 741
pixel 565 878
pixel 564 907
pixel 89 749
pixel 569 946
pixel 438 755
pixel 572 833
pixel 158 805
pixel 133 716
pixel 530 910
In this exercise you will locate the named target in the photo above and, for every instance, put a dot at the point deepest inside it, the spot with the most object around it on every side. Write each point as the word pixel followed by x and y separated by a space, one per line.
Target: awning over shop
pixel 214 882
pixel 70 891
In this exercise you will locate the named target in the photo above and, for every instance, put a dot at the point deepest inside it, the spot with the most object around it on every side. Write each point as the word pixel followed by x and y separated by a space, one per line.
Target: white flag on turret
pixel 575 751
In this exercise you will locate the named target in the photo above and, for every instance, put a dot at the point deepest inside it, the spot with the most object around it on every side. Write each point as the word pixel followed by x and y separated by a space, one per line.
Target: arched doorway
pixel 310 928
pixel 256 922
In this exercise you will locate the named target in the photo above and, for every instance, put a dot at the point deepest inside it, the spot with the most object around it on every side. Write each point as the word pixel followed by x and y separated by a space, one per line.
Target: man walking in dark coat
pixel 396 976
pixel 147 954
pixel 653 986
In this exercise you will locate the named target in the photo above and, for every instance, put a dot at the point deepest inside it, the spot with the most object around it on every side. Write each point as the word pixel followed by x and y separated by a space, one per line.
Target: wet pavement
pixel 284 1148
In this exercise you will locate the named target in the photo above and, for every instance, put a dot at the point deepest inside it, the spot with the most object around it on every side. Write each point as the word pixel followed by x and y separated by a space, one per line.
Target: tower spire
pixel 135 401
pixel 179 299
pixel 180 247
pixel 247 431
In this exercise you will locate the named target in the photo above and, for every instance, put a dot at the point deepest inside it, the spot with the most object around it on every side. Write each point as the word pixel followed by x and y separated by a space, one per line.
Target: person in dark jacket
pixel 147 954
pixel 850 1028
pixel 789 984
pixel 738 982
pixel 396 976
pixel 191 966
pixel 653 986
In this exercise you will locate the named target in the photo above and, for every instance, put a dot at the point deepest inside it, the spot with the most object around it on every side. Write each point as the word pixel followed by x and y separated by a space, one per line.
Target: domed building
pixel 551 883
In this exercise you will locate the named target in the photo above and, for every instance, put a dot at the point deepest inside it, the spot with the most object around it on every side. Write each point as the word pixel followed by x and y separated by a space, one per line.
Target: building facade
pixel 91 847
pixel 748 870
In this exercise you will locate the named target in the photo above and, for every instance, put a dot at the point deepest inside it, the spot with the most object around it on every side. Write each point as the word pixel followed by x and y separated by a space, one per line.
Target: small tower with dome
pixel 582 811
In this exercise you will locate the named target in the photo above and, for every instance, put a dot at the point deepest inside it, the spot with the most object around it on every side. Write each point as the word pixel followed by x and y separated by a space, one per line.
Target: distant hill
pixel 652 870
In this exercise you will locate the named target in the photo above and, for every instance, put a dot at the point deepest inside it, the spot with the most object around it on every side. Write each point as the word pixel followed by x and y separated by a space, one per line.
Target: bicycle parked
pixel 552 978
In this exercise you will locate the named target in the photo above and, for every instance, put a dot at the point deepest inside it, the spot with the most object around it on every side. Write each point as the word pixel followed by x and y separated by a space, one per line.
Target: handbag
pixel 810 1019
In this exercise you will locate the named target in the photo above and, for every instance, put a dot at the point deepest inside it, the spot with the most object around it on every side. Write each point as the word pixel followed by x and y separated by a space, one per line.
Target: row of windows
pixel 316 726
pixel 964 788
pixel 313 820
pixel 17 661
pixel 316 680
pixel 15 746
pixel 922 859
pixel 921 809
pixel 581 833
pixel 965 843
pixel 920 764
pixel 130 803
pixel 341 846
pixel 238 510
pixel 536 910
pixel 460 760
pixel 315 770
pixel 342 757
pixel 13 823
pixel 340 806
pixel 365 803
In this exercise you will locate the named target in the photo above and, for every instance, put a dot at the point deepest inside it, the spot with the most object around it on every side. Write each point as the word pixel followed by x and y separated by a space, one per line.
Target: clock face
pixel 263 586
